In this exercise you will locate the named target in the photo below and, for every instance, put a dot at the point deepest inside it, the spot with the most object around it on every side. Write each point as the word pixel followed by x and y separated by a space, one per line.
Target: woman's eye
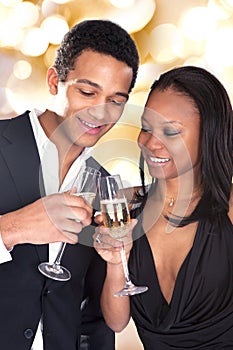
pixel 171 132
pixel 145 129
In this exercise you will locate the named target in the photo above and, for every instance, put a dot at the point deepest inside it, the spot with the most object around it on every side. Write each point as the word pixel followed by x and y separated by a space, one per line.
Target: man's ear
pixel 52 80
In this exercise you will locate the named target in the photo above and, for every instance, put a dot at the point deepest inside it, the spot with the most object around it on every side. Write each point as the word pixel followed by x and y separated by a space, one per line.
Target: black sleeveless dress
pixel 200 314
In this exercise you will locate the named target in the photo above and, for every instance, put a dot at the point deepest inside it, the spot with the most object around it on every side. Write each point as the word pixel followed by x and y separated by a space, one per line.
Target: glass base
pixel 130 289
pixel 56 272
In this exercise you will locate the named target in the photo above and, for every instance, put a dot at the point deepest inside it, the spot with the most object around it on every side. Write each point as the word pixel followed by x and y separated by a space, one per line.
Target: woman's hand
pixel 108 247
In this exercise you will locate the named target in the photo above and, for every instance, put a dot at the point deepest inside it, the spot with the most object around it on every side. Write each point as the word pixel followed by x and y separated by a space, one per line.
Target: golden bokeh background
pixel 167 34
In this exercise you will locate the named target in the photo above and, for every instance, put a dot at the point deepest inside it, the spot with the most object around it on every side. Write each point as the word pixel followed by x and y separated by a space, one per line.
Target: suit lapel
pixel 22 159
pixel 94 164
pixel 20 155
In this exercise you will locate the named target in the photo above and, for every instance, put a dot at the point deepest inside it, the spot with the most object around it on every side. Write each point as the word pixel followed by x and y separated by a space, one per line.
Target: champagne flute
pixel 116 217
pixel 85 185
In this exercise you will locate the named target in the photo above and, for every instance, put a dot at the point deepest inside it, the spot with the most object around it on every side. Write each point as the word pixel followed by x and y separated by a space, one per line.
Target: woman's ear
pixel 52 80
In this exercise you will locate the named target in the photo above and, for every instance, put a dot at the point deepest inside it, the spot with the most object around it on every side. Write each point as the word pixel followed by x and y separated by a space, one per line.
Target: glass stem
pixel 59 255
pixel 125 264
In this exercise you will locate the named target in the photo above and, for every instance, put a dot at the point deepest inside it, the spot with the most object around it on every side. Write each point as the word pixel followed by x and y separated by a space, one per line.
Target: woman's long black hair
pixel 216 136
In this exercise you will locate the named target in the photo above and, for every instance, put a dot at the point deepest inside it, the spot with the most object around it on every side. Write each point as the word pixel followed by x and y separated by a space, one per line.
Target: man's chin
pixel 87 140
pixel 87 143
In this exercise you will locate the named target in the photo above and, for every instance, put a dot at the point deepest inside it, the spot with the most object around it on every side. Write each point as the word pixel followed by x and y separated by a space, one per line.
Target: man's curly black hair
pixel 100 36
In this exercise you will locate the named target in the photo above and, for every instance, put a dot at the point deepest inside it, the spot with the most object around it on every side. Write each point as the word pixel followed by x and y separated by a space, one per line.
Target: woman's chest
pixel 169 251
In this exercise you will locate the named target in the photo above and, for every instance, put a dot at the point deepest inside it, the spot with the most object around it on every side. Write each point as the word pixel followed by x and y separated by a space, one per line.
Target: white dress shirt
pixel 50 170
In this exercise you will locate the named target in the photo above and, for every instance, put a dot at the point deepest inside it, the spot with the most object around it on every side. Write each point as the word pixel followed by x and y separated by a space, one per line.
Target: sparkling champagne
pixel 116 217
pixel 88 196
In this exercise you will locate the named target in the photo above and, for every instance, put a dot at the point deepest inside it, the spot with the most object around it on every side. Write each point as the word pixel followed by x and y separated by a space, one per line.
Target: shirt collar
pixel 49 159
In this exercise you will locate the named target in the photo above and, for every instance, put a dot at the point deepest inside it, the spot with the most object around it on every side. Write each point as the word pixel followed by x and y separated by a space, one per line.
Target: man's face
pixel 92 99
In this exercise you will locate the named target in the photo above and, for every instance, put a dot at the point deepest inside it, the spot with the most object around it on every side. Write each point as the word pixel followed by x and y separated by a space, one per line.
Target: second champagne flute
pixel 116 217
pixel 85 185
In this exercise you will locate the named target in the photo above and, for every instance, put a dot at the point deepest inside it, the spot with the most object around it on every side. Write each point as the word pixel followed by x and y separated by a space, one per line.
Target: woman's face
pixel 170 134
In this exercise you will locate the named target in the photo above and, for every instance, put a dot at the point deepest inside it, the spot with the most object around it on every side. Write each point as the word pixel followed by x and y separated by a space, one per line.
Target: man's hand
pixel 55 218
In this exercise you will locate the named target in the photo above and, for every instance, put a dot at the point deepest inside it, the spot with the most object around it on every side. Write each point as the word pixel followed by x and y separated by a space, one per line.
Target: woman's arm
pixel 116 310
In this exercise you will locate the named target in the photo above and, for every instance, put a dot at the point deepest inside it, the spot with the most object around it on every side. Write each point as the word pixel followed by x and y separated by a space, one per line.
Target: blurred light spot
pixel 61 1
pixel 218 10
pixel 142 40
pixel 138 98
pixel 128 170
pixel 22 69
pixel 10 34
pixel 219 52
pixel 35 42
pixel 49 8
pixel 166 43
pixel 132 18
pixel 4 11
pixel 26 14
pixel 55 27
pixel 50 55
pixel 227 3
pixel 122 3
pixel 196 61
pixel 147 73
pixel 27 94
pixel 10 3
pixel 5 107
pixel 198 23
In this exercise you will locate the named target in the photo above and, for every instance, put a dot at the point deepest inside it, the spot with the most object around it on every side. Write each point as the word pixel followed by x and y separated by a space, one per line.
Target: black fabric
pixel 200 314
pixel 25 294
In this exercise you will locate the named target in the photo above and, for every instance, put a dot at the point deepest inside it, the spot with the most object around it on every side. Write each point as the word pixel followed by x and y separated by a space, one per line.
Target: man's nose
pixel 98 112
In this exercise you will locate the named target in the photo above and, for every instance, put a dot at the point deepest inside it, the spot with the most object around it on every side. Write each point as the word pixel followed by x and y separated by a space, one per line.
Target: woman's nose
pixel 152 142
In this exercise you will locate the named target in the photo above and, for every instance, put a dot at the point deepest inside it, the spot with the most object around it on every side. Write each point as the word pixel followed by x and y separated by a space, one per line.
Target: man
pixel 40 153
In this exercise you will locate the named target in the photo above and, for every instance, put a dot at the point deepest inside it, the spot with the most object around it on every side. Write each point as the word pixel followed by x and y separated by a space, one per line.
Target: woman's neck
pixel 177 196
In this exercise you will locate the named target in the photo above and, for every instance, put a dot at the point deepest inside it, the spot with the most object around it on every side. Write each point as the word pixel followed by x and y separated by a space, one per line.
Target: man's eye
pixel 117 103
pixel 85 92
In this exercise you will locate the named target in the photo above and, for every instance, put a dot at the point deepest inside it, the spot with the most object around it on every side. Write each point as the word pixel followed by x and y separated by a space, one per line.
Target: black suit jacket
pixel 25 294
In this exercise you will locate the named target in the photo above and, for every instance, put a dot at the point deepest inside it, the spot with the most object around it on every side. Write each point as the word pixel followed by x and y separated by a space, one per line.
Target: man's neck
pixel 67 152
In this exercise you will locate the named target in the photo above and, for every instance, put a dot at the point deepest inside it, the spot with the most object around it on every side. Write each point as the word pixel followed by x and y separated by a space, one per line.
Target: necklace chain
pixel 172 199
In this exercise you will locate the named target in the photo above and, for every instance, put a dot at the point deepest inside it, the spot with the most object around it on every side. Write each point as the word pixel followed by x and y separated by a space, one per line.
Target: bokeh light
pixel 25 14
pixel 198 23
pixel 22 69
pixel 35 42
pixel 10 3
pixel 166 33
pixel 166 43
pixel 55 28
pixel 122 3
pixel 219 53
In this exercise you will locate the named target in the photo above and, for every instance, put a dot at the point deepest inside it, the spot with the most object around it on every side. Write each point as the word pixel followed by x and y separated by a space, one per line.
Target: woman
pixel 184 246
